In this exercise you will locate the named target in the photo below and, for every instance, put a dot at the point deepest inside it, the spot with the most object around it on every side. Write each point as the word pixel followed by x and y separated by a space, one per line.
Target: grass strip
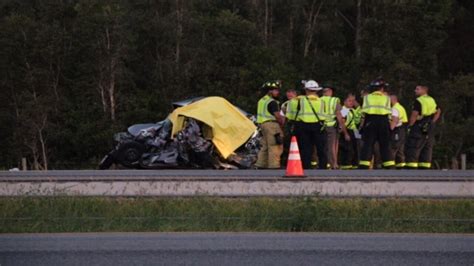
pixel 311 214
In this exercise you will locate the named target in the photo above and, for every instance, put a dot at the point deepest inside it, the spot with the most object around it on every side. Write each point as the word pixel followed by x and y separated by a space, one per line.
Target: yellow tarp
pixel 230 128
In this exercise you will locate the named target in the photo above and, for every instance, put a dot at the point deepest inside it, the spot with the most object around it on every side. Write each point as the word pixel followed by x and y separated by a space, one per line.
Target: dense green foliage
pixel 75 71
pixel 76 214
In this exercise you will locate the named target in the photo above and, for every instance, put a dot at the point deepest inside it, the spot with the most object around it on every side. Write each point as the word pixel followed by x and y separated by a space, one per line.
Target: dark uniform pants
pixel 287 134
pixel 419 145
pixel 377 157
pixel 397 139
pixel 376 129
pixel 310 135
pixel 349 151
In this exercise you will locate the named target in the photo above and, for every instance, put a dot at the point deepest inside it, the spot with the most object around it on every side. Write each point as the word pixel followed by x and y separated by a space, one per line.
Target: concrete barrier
pixel 237 184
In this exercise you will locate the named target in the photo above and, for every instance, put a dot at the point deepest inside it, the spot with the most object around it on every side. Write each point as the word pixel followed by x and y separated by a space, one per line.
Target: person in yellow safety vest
pixel 358 120
pixel 349 148
pixel 420 141
pixel 398 125
pixel 288 127
pixel 290 94
pixel 375 127
pixel 308 111
pixel 357 113
pixel 270 121
pixel 333 122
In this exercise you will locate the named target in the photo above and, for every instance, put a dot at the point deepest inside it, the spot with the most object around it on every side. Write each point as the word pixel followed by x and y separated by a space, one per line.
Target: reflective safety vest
pixel 376 103
pixel 428 106
pixel 351 120
pixel 284 106
pixel 330 104
pixel 357 115
pixel 300 109
pixel 263 115
pixel 291 109
pixel 401 112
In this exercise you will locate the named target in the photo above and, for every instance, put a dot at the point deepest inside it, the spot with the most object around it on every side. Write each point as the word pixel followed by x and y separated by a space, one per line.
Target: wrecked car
pixel 205 132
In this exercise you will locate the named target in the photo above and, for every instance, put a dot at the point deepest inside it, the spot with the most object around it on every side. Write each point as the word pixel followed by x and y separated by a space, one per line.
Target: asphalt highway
pixel 197 174
pixel 236 249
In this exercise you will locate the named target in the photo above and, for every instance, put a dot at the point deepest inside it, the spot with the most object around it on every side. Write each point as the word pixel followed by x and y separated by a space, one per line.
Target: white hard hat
pixel 312 85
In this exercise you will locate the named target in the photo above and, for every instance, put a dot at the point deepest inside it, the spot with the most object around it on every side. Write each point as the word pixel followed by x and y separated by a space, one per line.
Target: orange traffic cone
pixel 294 167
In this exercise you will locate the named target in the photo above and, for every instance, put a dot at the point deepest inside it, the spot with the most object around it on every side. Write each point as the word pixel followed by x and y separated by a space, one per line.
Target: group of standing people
pixel 347 135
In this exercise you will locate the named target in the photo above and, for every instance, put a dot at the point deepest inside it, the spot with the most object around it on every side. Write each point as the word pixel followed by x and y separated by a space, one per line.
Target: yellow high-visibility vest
pixel 330 104
pixel 350 120
pixel 428 106
pixel 357 115
pixel 376 103
pixel 284 106
pixel 401 112
pixel 292 108
pixel 305 112
pixel 263 115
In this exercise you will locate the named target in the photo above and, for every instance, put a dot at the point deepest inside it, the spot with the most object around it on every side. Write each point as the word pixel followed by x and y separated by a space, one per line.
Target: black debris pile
pixel 151 146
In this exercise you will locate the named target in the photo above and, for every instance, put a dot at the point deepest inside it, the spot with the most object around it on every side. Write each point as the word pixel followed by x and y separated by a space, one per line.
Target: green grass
pixel 81 214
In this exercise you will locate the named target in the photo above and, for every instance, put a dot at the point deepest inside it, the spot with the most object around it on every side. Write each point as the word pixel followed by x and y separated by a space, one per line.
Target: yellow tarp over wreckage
pixel 230 128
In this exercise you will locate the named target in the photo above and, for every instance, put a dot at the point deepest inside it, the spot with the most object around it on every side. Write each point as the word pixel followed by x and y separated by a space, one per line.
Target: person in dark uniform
pixel 420 141
pixel 348 146
pixel 376 110
pixel 308 111
pixel 288 127
pixel 398 125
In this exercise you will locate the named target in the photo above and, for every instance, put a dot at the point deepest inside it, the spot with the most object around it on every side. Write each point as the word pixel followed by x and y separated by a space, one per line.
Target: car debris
pixel 190 138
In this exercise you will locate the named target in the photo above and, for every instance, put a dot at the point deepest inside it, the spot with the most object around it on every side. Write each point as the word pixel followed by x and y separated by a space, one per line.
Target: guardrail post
pixel 23 164
pixel 463 161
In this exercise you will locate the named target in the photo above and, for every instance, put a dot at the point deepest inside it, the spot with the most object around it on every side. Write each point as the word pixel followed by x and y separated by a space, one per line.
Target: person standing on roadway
pixel 376 110
pixel 288 127
pixel 358 119
pixel 349 148
pixel 309 126
pixel 420 141
pixel 270 120
pixel 398 125
pixel 333 122
pixel 290 94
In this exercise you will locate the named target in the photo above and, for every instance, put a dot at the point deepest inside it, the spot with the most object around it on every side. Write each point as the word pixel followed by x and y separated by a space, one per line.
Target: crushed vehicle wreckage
pixel 202 132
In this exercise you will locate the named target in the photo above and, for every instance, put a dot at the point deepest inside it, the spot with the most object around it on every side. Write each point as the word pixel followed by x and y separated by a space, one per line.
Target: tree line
pixel 73 72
